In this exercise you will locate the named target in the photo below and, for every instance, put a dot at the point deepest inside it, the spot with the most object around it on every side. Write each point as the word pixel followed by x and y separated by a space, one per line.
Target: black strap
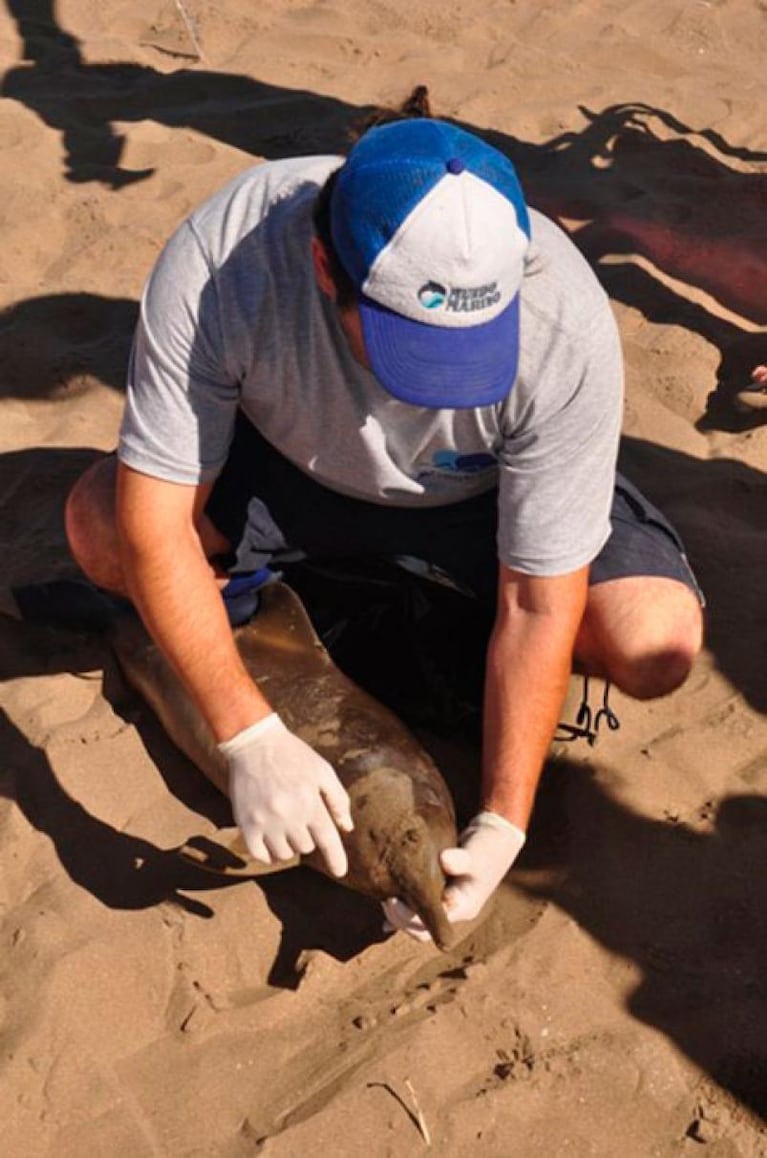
pixel 588 723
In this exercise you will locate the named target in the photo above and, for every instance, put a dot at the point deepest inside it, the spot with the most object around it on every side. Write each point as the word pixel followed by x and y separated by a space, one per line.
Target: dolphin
pixel 402 810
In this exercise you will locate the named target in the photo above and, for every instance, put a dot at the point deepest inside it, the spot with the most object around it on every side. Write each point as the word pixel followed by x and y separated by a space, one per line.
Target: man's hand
pixel 286 799
pixel 487 849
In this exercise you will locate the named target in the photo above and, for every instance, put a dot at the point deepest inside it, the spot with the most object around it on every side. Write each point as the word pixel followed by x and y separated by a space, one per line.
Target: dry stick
pixel 418 1114
pixel 191 30
pixel 415 1114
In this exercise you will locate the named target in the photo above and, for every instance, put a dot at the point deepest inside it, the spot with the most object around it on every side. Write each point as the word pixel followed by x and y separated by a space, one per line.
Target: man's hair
pixel 416 105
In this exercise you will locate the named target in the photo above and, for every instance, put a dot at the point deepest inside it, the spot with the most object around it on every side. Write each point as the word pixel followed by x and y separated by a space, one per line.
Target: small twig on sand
pixel 189 22
pixel 415 1114
pixel 418 1113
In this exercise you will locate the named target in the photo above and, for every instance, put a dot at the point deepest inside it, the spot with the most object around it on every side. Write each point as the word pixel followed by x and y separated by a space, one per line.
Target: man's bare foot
pixel 753 396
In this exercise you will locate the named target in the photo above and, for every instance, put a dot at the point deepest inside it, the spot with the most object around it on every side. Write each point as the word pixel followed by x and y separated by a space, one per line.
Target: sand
pixel 614 1002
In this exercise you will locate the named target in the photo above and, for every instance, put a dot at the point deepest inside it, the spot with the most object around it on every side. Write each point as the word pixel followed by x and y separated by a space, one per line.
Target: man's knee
pixel 654 672
pixel 90 524
pixel 645 640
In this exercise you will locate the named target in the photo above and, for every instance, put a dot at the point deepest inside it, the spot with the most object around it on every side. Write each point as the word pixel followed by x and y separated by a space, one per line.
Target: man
pixel 393 356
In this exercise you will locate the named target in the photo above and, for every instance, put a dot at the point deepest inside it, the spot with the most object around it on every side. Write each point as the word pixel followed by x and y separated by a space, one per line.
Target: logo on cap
pixel 432 295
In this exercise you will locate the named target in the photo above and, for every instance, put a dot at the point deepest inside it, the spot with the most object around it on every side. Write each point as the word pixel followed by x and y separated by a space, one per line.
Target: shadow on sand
pixel 687 903
pixel 633 181
pixel 687 906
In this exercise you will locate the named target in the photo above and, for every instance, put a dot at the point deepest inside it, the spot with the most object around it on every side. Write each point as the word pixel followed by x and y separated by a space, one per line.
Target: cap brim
pixel 441 367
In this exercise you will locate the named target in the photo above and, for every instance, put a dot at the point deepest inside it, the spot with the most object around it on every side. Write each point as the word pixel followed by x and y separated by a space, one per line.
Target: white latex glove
pixel 488 847
pixel 286 799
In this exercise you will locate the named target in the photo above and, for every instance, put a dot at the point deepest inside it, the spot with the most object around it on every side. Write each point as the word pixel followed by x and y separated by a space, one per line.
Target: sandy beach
pixel 614 1001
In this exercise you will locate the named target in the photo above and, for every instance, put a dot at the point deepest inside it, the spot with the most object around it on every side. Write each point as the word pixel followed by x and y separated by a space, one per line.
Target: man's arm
pixel 528 665
pixel 172 585
pixel 286 799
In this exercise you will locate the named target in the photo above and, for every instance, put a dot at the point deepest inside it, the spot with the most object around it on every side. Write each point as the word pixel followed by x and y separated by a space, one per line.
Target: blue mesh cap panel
pixel 388 172
pixel 487 162
pixel 386 176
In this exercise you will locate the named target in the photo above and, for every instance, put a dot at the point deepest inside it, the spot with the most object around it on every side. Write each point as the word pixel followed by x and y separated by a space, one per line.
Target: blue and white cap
pixel 431 225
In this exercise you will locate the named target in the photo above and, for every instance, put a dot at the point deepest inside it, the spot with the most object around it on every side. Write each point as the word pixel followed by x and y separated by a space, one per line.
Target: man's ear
pixel 322 273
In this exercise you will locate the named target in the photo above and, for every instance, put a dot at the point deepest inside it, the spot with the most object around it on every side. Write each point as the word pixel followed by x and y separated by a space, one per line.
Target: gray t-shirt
pixel 232 315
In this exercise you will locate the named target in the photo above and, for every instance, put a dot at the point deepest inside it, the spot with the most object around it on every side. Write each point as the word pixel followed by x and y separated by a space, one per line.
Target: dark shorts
pixel 273 513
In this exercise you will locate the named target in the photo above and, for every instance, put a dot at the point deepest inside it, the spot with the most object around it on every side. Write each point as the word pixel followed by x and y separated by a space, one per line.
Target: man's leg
pixel 643 625
pixel 92 533
pixel 641 633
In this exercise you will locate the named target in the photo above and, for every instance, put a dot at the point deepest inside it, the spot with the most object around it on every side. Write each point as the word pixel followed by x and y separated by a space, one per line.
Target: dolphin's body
pixel 403 813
